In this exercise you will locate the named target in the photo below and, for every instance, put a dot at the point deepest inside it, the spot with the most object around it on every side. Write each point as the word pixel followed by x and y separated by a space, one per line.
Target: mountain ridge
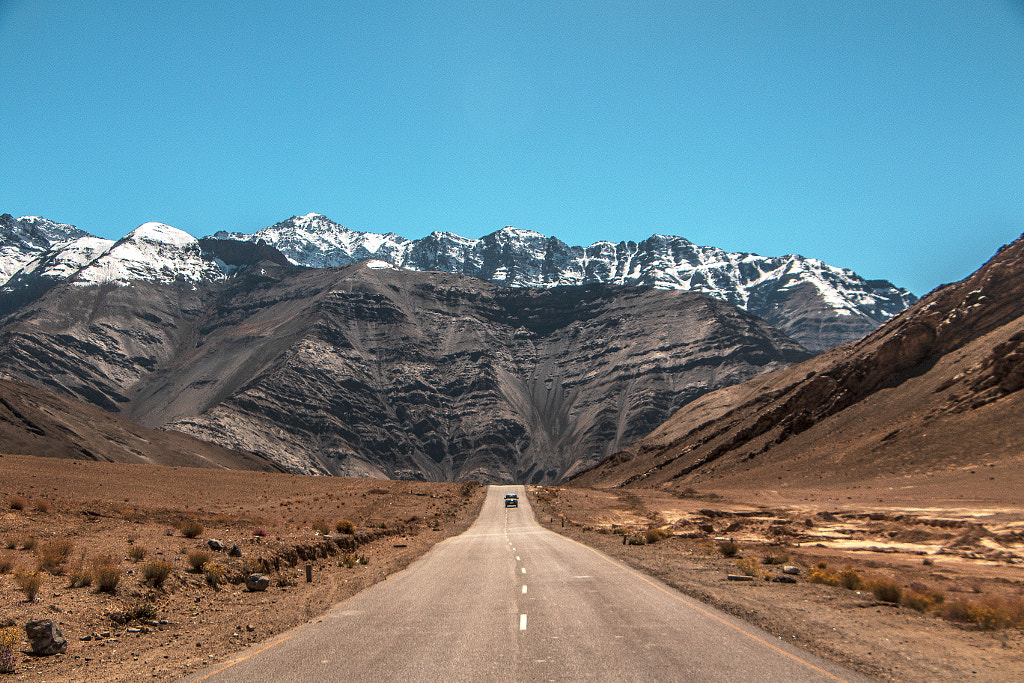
pixel 818 304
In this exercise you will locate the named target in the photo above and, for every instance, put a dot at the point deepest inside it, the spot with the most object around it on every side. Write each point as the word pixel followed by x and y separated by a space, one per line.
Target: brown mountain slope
pixel 935 391
pixel 34 421
pixel 363 371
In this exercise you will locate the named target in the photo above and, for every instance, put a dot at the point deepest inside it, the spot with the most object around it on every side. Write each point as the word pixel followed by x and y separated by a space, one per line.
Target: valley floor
pixel 120 511
pixel 962 552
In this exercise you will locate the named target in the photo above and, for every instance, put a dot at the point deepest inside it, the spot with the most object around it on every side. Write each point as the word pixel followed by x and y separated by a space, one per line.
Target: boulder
pixel 257 582
pixel 216 545
pixel 45 638
pixel 235 551
pixel 790 569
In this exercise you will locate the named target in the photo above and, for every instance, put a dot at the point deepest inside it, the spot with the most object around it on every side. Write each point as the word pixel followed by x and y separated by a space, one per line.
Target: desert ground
pixel 955 551
pixel 136 515
pixel 930 537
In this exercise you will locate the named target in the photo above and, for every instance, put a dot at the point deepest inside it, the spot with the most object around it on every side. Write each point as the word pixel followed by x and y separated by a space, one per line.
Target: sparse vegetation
pixel 27 542
pixel 6 564
pixel 321 527
pixel 106 573
pixel 887 591
pixel 655 535
pixel 10 637
pixel 344 526
pixel 824 576
pixel 197 558
pixel 191 528
pixel 749 567
pixel 156 572
pixel 851 579
pixel 214 572
pixel 772 558
pixel 16 503
pixel 42 506
pixel 728 548
pixel 53 554
pixel 137 553
pixel 29 583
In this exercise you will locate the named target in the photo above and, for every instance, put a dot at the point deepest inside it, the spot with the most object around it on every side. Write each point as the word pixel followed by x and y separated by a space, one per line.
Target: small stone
pixel 134 630
pixel 86 638
pixel 250 628
pixel 784 579
pixel 235 551
pixel 214 544
pixel 790 569
pixel 739 577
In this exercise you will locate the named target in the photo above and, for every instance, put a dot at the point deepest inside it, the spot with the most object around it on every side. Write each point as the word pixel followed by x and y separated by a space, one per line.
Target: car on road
pixel 511 501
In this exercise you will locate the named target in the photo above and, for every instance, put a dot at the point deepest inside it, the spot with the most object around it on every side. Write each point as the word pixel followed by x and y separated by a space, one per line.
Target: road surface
pixel 511 601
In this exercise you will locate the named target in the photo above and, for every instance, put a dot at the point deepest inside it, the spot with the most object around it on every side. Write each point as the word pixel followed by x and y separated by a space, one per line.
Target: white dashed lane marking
pixel 524 589
pixel 522 622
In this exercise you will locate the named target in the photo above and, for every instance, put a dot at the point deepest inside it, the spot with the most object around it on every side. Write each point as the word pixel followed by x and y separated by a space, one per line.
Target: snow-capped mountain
pixel 29 237
pixel 153 252
pixel 819 304
pixel 816 303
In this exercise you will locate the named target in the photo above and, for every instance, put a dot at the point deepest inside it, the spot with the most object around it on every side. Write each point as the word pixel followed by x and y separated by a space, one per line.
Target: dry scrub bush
pixel 350 560
pixel 824 575
pixel 214 573
pixel 137 553
pixel 17 503
pixel 988 614
pixel 27 542
pixel 41 506
pixel 343 526
pixel 922 598
pixel 887 591
pixel 29 583
pixel 771 558
pixel 6 564
pixel 655 535
pixel 191 528
pixel 251 565
pixel 729 548
pixel 79 577
pixel 197 558
pixel 107 574
pixel 53 554
pixel 156 572
pixel 10 638
pixel 748 566
pixel 10 542
pixel 850 579
pixel 321 527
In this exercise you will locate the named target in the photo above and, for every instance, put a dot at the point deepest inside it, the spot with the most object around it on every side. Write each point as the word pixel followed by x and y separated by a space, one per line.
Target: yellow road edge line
pixel 687 601
pixel 242 659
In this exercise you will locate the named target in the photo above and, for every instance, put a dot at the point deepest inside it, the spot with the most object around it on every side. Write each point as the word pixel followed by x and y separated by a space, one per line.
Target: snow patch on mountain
pixel 154 252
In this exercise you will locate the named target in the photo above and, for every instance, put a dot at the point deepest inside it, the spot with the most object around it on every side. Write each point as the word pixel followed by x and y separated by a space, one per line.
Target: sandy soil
pixel 141 632
pixel 965 551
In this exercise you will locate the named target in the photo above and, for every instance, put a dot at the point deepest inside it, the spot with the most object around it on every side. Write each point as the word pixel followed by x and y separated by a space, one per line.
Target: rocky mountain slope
pixel 376 371
pixel 936 390
pixel 817 304
pixel 39 422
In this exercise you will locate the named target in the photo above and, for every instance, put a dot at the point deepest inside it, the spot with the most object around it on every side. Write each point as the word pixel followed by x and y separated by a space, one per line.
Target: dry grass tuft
pixel 343 526
pixel 106 573
pixel 17 503
pixel 191 528
pixel 29 583
pixel 156 572
pixel 137 553
pixel 53 554
pixel 197 558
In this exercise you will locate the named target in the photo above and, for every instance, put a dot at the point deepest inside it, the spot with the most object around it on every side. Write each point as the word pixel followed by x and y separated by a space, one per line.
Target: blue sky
pixel 886 137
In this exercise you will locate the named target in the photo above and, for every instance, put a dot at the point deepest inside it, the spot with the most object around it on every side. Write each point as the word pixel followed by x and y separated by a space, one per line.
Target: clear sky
pixel 886 137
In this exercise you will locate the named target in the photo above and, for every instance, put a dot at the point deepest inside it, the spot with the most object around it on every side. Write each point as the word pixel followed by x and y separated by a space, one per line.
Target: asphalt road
pixel 511 601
